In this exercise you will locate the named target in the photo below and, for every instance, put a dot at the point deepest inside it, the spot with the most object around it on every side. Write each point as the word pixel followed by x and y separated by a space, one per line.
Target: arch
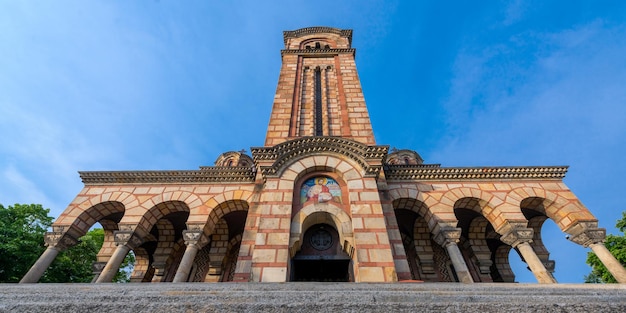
pixel 222 210
pixel 108 213
pixel 345 169
pixel 564 211
pixel 316 214
pixel 89 211
pixel 289 152
pixel 428 201
pixel 154 214
pixel 474 199
pixel 317 42
pixel 419 207
pixel 199 214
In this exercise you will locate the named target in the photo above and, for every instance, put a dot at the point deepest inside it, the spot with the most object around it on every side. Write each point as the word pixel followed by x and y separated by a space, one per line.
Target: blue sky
pixel 120 85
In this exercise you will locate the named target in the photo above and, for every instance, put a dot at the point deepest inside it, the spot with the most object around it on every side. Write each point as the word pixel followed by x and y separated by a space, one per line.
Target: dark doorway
pixel 320 257
pixel 321 270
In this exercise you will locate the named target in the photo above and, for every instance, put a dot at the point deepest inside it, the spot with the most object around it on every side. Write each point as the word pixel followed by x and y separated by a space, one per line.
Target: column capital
pixel 516 236
pixel 127 238
pixel 60 240
pixel 589 237
pixel 586 233
pixel 195 237
pixel 447 235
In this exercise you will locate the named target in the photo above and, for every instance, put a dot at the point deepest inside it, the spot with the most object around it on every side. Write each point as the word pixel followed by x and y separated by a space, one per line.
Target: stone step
pixel 312 297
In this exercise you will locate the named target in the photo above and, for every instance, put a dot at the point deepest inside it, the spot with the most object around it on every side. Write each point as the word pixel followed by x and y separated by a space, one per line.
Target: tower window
pixel 319 131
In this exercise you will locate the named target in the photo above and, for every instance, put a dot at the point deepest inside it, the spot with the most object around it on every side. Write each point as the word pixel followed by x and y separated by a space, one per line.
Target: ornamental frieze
pixel 368 157
pixel 435 172
pixel 214 174
pixel 316 30
pixel 318 52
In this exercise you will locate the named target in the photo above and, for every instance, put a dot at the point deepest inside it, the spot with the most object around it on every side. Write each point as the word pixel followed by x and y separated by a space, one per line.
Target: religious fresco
pixel 320 189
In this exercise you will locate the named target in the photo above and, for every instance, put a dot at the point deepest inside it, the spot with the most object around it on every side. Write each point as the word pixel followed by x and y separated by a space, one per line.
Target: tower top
pixel 291 34
pixel 326 37
pixel 319 92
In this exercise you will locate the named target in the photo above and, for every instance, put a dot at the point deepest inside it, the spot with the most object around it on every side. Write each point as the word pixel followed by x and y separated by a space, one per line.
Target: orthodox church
pixel 322 201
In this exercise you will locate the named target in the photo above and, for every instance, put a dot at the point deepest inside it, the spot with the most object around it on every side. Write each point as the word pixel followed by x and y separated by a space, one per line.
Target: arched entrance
pixel 321 257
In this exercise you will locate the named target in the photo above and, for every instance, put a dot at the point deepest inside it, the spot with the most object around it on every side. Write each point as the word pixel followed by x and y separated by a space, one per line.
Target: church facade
pixel 322 201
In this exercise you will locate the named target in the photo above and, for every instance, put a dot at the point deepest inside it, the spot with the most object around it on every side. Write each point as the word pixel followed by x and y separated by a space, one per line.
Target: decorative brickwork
pixel 321 201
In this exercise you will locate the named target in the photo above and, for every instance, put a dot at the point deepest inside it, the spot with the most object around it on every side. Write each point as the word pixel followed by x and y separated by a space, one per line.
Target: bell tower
pixel 319 92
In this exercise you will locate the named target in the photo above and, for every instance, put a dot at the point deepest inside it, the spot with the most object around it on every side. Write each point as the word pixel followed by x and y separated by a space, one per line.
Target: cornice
pixel 316 30
pixel 369 157
pixel 435 172
pixel 318 52
pixel 221 174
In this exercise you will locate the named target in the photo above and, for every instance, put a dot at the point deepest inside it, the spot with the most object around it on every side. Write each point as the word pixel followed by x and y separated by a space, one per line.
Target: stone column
pixel 193 239
pixel 113 265
pixel 125 241
pixel 588 235
pixel 56 242
pixel 520 238
pixel 448 237
pixel 609 261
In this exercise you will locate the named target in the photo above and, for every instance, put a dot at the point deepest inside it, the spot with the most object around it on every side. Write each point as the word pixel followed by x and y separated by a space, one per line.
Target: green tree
pixel 617 246
pixel 74 265
pixel 22 228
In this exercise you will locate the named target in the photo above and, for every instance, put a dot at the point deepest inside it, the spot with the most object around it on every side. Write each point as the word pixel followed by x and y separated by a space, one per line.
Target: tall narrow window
pixel 319 131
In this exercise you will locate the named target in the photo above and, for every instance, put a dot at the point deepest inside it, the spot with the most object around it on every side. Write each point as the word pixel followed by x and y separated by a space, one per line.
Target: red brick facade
pixel 321 201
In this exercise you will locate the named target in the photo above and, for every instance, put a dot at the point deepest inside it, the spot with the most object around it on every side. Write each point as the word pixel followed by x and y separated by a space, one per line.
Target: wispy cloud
pixel 566 105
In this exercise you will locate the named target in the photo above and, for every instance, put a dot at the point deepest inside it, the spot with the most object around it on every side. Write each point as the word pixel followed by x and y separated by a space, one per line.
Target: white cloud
pixel 566 105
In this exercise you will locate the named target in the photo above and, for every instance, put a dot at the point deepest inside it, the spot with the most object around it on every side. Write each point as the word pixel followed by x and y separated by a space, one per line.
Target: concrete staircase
pixel 312 297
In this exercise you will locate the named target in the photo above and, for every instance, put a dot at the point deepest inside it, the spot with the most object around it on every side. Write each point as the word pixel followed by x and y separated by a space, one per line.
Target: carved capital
pixel 516 236
pixel 589 237
pixel 586 233
pixel 127 238
pixel 60 240
pixel 195 237
pixel 447 235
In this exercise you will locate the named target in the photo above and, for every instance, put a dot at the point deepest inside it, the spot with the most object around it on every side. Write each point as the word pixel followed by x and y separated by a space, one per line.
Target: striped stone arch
pixel 563 211
pixel 313 214
pixel 474 199
pixel 327 162
pixel 155 213
pixel 419 207
pixel 88 207
pixel 199 213
pixel 189 199
pixel 412 193
pixel 219 211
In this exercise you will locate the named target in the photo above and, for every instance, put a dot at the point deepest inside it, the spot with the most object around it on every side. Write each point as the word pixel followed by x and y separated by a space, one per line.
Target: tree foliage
pixel 74 265
pixel 22 230
pixel 616 244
